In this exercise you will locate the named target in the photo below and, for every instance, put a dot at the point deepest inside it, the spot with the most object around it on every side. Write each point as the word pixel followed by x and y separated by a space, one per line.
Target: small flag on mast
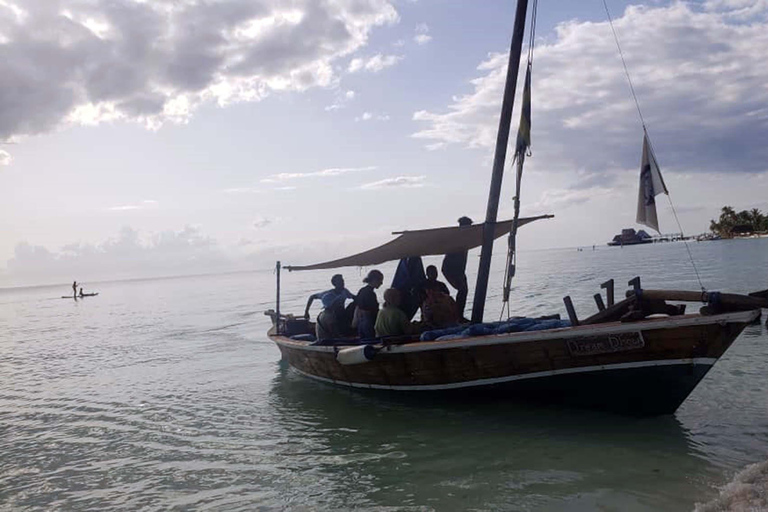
pixel 651 185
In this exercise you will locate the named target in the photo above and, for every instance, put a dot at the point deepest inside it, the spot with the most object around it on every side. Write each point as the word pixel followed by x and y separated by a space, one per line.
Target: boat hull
pixel 647 367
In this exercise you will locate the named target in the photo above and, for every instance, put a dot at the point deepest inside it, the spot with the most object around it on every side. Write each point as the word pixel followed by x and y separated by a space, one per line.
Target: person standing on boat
pixel 455 271
pixel 334 320
pixel 367 305
pixel 74 289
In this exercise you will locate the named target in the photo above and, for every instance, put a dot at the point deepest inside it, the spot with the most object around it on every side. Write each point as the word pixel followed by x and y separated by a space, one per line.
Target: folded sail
pixel 651 185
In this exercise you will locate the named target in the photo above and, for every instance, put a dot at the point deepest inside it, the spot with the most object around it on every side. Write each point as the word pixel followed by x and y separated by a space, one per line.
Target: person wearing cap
pixel 367 305
pixel 332 322
pixel 455 271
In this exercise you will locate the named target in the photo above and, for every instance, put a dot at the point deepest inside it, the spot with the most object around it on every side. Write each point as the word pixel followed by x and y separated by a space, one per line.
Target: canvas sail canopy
pixel 423 242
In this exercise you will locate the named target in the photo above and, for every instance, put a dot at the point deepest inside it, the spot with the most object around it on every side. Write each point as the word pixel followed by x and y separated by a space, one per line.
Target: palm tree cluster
pixel 732 223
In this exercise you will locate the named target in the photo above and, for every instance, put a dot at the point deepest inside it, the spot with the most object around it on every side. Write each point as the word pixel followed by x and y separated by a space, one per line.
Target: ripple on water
pixel 166 394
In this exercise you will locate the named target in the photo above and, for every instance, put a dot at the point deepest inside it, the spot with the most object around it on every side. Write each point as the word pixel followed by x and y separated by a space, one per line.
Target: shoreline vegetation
pixel 744 224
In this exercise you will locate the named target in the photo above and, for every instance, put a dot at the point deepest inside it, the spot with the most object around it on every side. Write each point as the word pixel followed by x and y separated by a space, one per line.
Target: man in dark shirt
pixel 454 269
pixel 368 305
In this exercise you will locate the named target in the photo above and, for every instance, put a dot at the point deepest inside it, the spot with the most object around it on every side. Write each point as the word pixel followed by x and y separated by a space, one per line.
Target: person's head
pixel 432 273
pixel 337 281
pixel 465 221
pixel 374 278
pixel 392 297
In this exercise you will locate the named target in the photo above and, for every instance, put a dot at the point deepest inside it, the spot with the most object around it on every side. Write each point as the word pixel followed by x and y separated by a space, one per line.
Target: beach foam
pixel 747 492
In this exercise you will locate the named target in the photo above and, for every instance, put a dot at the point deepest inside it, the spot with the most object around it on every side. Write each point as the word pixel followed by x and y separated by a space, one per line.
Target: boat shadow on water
pixel 490 452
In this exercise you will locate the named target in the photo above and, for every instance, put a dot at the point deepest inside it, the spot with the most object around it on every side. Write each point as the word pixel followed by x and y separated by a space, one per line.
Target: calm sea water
pixel 166 394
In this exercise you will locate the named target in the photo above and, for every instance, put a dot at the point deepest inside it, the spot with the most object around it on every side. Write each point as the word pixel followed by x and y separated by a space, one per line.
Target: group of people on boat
pixel 413 288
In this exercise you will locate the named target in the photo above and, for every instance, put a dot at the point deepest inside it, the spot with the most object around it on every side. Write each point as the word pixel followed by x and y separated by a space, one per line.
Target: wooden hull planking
pixel 646 367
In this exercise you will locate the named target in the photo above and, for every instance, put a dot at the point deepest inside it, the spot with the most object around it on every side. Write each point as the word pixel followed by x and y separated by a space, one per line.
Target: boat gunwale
pixel 579 331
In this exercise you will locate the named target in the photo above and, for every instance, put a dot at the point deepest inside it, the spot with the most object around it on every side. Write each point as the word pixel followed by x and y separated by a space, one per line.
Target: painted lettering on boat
pixel 609 344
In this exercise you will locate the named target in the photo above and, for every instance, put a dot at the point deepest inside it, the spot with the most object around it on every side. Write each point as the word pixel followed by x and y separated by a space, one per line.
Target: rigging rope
pixel 519 158
pixel 650 142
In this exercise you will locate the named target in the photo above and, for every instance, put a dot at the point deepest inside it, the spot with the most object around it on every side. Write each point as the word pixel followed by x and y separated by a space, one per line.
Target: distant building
pixel 742 230
pixel 631 237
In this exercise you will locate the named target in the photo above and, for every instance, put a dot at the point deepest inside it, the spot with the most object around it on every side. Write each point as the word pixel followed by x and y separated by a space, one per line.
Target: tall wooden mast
pixel 502 139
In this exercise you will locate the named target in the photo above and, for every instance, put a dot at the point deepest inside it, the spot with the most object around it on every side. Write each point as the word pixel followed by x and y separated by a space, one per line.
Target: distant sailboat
pixel 638 355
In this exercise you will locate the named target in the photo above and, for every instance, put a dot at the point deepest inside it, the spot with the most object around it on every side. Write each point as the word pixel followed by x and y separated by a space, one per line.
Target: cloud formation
pixel 368 116
pixel 341 100
pixel 422 34
pixel 699 73
pixel 127 255
pixel 398 182
pixel 153 61
pixel 262 222
pixel 147 203
pixel 373 64
pixel 325 173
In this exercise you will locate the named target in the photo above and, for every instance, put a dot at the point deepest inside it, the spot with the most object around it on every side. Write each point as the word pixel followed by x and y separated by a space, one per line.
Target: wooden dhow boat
pixel 642 355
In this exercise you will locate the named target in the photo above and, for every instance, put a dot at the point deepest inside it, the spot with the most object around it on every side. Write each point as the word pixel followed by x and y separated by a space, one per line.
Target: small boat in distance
pixel 631 237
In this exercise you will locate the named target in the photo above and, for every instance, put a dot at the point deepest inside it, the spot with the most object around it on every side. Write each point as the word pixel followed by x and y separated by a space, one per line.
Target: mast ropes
pixel 522 149
pixel 502 139
pixel 650 142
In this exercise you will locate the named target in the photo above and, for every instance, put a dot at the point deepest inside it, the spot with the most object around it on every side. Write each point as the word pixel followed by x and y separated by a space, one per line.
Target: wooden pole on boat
pixel 608 286
pixel 277 305
pixel 571 310
pixel 727 299
pixel 502 139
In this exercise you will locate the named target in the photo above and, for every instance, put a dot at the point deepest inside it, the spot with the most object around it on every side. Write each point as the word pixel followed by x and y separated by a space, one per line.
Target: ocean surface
pixel 166 394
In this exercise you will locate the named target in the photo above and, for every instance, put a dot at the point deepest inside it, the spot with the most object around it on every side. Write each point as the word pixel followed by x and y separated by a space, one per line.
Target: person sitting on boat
pixel 334 320
pixel 367 305
pixel 81 291
pixel 439 310
pixel 432 283
pixel 455 271
pixel 391 320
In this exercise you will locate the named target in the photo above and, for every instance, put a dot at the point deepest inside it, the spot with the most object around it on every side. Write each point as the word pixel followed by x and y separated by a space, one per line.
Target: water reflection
pixel 384 448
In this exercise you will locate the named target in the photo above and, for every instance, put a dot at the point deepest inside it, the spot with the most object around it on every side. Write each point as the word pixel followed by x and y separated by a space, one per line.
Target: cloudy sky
pixel 168 136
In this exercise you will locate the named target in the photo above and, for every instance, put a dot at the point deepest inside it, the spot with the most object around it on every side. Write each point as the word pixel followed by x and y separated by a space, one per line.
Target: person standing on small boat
pixel 334 320
pixel 367 305
pixel 74 289
pixel 455 271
